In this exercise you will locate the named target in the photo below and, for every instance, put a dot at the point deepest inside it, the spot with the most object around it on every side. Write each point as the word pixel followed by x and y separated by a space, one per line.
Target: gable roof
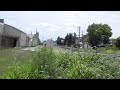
pixel 30 36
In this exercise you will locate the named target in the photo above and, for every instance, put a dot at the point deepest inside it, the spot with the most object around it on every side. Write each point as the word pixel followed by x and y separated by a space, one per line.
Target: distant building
pixel 13 37
pixel 49 43
pixel 112 41
pixel 54 43
pixel 32 39
pixel 82 41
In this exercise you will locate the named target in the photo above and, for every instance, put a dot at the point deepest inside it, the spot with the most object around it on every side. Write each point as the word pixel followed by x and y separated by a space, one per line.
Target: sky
pixel 51 24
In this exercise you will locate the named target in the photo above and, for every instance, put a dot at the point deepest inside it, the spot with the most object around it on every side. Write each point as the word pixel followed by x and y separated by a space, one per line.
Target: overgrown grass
pixel 110 50
pixel 13 56
pixel 46 64
pixel 103 50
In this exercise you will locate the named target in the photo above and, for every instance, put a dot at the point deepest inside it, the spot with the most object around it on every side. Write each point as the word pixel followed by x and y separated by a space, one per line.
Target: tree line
pixel 98 34
pixel 68 40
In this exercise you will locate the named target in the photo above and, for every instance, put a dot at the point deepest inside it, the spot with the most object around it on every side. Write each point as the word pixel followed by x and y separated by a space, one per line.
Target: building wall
pixel 1 28
pixel 29 42
pixel 0 41
pixel 35 41
pixel 23 39
pixel 1 32
pixel 15 34
pixel 32 42
pixel 49 43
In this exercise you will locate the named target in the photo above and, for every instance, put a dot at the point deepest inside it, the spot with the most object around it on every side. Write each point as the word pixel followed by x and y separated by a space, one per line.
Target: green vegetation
pixel 47 64
pixel 11 57
pixel 99 33
pixel 68 40
pixel 106 50
pixel 110 50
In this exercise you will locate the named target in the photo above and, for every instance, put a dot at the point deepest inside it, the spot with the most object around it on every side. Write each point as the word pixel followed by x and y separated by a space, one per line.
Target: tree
pixel 98 34
pixel 70 39
pixel 66 39
pixel 58 41
pixel 117 42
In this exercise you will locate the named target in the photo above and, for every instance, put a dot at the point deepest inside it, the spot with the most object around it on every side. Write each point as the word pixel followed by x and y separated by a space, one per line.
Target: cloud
pixel 51 24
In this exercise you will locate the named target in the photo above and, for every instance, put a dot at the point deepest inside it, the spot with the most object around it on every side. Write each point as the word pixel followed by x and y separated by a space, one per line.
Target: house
pixel 112 41
pixel 54 43
pixel 13 37
pixel 82 42
pixel 49 43
pixel 32 39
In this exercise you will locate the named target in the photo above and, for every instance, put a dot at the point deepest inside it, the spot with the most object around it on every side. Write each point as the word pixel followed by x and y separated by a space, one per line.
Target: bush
pixel 44 61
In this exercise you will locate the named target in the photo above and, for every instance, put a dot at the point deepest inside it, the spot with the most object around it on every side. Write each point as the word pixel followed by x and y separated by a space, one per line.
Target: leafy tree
pixel 99 33
pixel 66 39
pixel 117 42
pixel 58 41
pixel 70 39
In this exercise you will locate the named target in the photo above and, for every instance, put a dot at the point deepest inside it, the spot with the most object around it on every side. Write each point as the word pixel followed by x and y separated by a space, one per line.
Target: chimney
pixel 1 20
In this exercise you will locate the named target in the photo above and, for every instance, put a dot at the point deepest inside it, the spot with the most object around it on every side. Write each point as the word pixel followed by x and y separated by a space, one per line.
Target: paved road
pixel 31 48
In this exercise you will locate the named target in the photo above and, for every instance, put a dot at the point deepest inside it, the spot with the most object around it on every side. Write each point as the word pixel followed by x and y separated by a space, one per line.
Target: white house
pixel 49 43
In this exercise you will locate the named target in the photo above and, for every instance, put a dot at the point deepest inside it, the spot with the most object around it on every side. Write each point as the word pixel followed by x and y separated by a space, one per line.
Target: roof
pixel 15 28
pixel 30 35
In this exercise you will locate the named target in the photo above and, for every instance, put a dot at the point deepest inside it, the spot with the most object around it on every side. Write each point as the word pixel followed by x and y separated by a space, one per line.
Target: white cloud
pixel 51 24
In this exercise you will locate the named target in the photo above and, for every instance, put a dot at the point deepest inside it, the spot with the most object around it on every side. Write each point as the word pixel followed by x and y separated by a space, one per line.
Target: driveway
pixel 29 48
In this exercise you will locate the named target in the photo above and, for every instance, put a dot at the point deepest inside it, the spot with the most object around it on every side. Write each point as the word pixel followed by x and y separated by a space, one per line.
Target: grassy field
pixel 58 64
pixel 111 50
pixel 11 57
pixel 106 50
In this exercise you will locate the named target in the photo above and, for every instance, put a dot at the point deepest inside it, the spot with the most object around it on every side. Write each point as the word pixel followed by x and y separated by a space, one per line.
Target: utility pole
pixel 79 32
pixel 36 30
pixel 79 36
pixel 82 40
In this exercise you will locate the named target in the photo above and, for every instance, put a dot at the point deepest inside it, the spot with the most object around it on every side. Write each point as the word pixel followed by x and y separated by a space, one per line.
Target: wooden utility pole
pixel 36 30
pixel 79 32
pixel 82 40
pixel 79 36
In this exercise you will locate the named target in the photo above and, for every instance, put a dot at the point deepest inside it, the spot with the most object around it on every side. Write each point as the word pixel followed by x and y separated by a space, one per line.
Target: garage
pixel 8 42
